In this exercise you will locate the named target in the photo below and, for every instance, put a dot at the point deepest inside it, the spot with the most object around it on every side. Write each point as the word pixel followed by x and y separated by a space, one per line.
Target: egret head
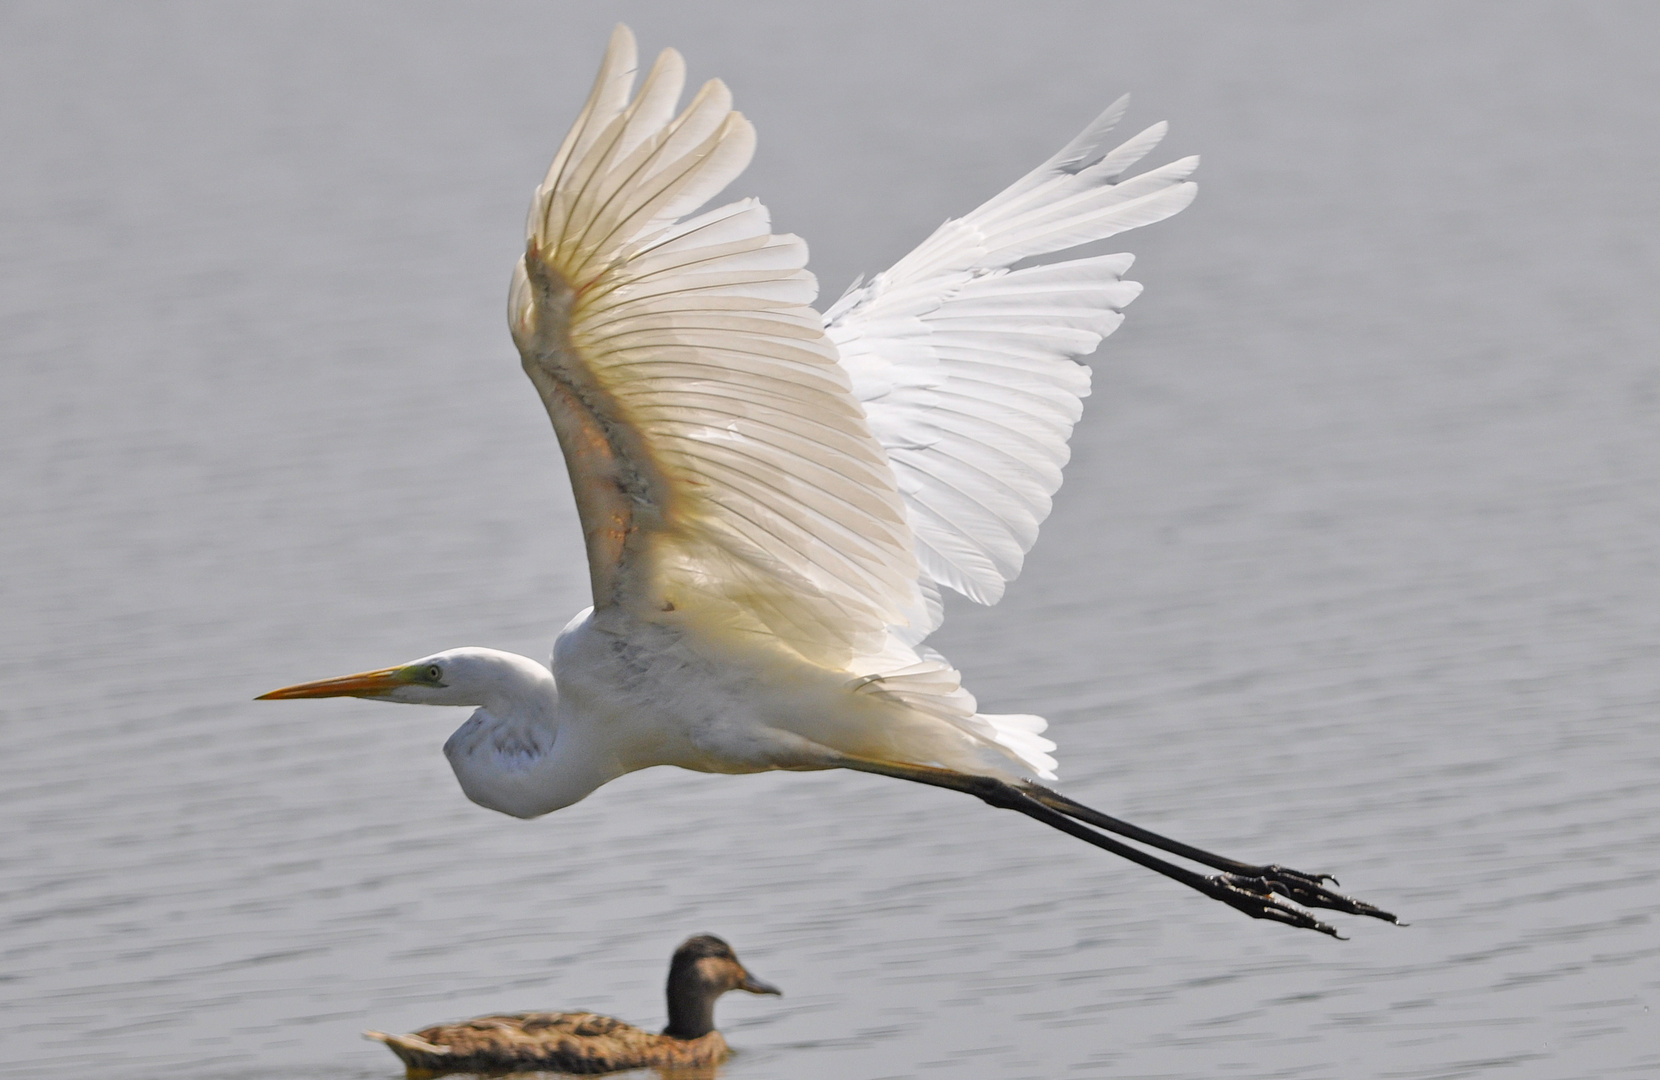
pixel 466 676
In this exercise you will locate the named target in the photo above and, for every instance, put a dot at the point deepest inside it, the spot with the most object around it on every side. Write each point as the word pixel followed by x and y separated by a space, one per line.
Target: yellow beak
pixel 363 684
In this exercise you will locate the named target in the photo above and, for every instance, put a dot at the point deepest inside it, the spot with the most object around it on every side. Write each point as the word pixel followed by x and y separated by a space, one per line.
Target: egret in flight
pixel 772 500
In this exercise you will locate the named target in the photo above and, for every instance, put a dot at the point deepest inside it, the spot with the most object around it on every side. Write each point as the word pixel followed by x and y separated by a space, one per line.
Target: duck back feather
pixel 571 1042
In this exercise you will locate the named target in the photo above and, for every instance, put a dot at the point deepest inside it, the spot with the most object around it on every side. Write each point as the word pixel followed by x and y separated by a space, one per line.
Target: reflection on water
pixel 1356 566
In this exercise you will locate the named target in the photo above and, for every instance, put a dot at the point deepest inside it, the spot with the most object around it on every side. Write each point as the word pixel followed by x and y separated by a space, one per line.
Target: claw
pixel 1257 898
pixel 1306 889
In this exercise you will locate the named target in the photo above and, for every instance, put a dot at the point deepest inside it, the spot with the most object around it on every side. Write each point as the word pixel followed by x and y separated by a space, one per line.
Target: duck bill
pixel 758 986
pixel 363 684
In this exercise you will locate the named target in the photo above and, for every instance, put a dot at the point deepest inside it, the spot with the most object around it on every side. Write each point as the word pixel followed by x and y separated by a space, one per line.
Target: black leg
pixel 1255 890
pixel 1304 888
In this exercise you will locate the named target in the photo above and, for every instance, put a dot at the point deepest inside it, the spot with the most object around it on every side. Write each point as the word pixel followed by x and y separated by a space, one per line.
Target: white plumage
pixel 965 368
pixel 771 499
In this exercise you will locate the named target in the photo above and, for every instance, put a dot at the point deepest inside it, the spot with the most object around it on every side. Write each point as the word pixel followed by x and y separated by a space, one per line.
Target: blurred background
pixel 1356 567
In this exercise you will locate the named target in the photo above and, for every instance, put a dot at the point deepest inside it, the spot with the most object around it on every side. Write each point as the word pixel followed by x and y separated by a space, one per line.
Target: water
pixel 1356 566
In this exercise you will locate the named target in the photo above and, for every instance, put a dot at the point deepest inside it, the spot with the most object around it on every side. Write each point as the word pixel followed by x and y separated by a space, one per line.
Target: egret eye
pixel 434 672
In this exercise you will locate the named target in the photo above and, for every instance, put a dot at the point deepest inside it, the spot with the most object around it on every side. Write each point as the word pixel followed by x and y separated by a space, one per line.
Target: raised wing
pixel 724 473
pixel 965 367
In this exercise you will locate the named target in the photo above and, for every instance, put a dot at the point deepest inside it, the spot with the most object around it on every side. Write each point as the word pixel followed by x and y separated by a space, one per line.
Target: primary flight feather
pixel 771 500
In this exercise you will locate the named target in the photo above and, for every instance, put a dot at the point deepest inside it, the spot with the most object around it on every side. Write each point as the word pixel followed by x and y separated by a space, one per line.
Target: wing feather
pixel 967 368
pixel 724 472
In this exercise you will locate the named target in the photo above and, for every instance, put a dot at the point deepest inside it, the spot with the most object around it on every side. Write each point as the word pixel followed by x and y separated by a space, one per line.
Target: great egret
pixel 771 500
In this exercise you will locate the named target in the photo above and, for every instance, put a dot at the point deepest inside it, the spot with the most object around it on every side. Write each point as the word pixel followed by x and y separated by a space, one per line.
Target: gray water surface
pixel 1357 566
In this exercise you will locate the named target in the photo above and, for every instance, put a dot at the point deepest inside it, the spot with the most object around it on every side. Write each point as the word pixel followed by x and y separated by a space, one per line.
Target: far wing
pixel 965 367
pixel 723 471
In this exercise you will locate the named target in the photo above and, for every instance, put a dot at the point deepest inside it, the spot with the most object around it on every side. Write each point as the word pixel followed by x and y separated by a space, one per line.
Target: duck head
pixel 704 968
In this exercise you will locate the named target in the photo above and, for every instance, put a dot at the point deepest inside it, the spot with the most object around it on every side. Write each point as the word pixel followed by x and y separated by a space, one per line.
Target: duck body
pixel 702 969
pixel 569 1042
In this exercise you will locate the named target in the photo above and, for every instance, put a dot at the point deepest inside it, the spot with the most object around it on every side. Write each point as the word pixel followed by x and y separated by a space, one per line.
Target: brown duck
pixel 703 968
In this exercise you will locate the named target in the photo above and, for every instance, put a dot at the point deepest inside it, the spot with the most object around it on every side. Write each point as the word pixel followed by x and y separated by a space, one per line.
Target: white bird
pixel 772 499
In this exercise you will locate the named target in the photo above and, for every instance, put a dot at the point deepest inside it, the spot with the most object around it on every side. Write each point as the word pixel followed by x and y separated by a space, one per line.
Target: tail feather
pixel 415 1052
pixel 408 1042
pixel 925 682
pixel 1021 735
